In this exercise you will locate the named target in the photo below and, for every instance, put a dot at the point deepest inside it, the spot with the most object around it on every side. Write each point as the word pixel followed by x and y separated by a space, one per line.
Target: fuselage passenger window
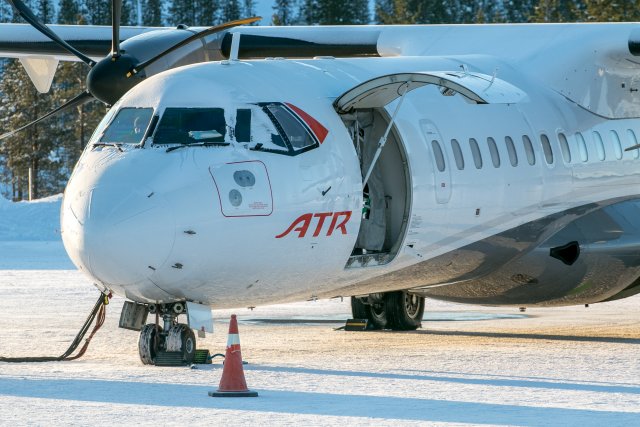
pixel 617 146
pixel 511 150
pixel 439 156
pixel 528 149
pixel 546 148
pixel 564 147
pixel 599 145
pixel 475 151
pixel 632 142
pixel 457 154
pixel 493 150
pixel 582 147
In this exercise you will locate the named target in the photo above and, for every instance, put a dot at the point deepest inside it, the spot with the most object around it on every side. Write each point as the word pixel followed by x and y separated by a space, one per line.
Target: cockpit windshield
pixel 128 127
pixel 272 127
pixel 191 125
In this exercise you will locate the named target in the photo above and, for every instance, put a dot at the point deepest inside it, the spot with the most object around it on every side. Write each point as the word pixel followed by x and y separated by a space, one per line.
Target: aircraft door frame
pixel 441 179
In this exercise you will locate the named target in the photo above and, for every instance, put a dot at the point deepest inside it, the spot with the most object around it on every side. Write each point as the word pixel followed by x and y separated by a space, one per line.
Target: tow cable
pixel 98 314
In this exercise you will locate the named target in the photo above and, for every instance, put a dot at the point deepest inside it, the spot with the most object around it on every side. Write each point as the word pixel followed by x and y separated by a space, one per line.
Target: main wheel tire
pixel 147 345
pixel 378 318
pixel 359 310
pixel 404 310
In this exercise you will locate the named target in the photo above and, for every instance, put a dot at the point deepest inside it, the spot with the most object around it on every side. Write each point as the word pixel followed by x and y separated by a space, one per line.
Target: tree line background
pixel 52 148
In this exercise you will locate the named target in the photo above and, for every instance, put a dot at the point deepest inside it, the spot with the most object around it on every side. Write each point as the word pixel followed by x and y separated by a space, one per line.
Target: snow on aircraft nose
pixel 125 231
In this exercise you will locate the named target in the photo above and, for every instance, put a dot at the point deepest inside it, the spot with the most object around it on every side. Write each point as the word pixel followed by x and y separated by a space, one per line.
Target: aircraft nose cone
pixel 127 233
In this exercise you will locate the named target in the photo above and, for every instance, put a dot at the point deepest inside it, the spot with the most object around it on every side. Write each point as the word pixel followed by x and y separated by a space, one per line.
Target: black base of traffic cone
pixel 247 393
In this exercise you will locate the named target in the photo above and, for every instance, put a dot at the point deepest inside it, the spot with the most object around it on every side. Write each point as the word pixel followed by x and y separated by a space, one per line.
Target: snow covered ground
pixel 468 365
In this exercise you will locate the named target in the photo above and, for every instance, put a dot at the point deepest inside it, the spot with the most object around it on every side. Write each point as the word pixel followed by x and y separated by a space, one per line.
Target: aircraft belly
pixel 515 267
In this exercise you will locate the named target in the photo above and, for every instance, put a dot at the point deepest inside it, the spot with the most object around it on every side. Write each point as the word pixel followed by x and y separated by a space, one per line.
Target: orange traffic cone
pixel 232 383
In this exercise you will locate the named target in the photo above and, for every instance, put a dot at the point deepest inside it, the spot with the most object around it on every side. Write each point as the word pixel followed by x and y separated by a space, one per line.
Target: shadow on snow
pixel 308 403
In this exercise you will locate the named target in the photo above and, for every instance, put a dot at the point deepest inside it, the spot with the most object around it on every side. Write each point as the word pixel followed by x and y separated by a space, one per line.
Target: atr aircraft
pixel 240 166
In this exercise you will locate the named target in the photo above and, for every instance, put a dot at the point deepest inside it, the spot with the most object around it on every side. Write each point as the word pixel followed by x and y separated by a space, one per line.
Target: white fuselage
pixel 158 226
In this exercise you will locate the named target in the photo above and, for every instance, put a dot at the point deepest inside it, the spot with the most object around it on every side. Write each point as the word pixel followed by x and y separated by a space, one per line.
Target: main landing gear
pixel 169 343
pixel 398 310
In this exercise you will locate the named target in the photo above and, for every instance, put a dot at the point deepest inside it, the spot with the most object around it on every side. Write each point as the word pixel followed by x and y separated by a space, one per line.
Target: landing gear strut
pixel 173 338
pixel 399 310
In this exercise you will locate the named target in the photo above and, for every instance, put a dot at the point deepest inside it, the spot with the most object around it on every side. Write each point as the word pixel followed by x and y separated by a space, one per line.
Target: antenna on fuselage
pixel 235 47
pixel 383 139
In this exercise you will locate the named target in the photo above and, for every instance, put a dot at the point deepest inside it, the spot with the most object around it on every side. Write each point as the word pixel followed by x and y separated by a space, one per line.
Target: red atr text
pixel 303 222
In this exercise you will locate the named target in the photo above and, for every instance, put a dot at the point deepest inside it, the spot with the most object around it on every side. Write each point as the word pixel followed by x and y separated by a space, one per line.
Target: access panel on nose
pixel 243 188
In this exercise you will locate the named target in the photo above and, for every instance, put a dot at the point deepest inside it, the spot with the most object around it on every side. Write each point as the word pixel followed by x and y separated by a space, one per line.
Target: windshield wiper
pixel 199 144
pixel 117 145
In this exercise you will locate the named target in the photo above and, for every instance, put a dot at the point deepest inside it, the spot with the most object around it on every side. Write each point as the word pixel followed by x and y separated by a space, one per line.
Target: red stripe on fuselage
pixel 319 131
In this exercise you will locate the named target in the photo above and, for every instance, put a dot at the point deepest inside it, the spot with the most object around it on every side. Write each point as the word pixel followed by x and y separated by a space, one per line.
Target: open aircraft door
pixel 362 110
pixel 477 87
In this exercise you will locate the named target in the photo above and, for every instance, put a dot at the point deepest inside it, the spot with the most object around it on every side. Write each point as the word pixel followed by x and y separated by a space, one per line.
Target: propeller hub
pixel 108 80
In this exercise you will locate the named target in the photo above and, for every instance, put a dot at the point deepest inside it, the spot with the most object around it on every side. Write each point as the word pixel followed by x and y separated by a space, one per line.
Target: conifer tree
pixel 383 9
pixel 152 13
pixel 283 12
pixel 194 12
pixel 6 174
pixel 248 8
pixel 308 12
pixel 69 81
pixel 517 10
pixel 208 12
pixel 183 12
pixel 36 147
pixel 342 12
pixel 421 12
pixel 401 12
pixel 608 11
pixel 229 10
pixel 559 11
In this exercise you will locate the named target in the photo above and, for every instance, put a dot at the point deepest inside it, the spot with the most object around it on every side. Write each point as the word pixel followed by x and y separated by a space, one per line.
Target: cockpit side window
pixel 291 133
pixel 128 126
pixel 191 125
pixel 242 129
pixel 291 127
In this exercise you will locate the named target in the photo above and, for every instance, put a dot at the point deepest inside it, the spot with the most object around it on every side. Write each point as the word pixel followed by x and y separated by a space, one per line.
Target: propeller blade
pixel 78 100
pixel 28 16
pixel 633 147
pixel 116 13
pixel 208 31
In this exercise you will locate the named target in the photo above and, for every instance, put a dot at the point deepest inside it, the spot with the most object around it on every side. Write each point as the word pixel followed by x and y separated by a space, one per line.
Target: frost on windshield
pixel 266 126
pixel 129 126
pixel 191 125
pixel 264 131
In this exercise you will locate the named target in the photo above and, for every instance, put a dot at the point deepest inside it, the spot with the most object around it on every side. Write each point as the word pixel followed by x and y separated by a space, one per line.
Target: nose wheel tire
pixel 148 343
pixel 181 338
pixel 188 346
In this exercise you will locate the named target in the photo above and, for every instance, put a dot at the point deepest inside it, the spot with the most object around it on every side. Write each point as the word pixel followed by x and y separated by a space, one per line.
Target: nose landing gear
pixel 399 310
pixel 173 344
